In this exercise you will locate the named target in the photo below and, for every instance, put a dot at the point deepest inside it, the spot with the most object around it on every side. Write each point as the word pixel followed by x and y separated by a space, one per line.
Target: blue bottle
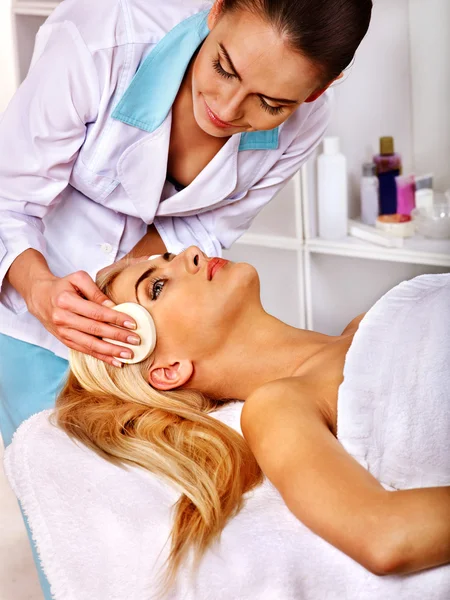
pixel 389 166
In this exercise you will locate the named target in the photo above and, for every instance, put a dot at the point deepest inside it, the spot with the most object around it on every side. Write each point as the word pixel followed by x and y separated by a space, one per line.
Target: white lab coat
pixel 81 186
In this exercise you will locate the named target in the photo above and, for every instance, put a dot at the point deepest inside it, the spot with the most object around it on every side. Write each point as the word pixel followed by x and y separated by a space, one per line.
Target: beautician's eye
pixel 156 287
pixel 273 110
pixel 218 67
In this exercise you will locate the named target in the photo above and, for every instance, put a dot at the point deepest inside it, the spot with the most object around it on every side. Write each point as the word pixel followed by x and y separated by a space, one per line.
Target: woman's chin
pixel 248 271
pixel 244 284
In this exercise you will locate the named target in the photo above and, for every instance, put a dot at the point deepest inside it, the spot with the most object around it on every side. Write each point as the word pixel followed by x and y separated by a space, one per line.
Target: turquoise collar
pixel 149 97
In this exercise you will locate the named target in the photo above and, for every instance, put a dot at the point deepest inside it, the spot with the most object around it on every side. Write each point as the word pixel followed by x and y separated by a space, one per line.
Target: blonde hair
pixel 116 413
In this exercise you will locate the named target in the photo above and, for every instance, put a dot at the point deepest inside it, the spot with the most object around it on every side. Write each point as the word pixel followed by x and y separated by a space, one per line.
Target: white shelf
pixel 417 250
pixel 35 9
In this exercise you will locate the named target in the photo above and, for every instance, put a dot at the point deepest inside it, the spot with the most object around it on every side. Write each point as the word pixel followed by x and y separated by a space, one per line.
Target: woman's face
pixel 194 300
pixel 246 76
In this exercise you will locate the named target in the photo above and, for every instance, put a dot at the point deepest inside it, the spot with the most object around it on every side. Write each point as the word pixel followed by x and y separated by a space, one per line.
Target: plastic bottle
pixel 370 198
pixel 406 188
pixel 424 196
pixel 332 191
pixel 389 166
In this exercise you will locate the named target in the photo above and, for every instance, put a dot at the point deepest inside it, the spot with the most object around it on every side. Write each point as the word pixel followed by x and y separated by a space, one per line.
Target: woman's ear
pixel 214 13
pixel 170 376
pixel 318 93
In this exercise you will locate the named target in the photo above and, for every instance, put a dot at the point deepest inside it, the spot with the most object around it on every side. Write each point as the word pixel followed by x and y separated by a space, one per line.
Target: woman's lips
pixel 214 265
pixel 215 119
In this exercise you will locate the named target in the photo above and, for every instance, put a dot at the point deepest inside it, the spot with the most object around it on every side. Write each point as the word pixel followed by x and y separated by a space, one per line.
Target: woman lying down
pixel 341 475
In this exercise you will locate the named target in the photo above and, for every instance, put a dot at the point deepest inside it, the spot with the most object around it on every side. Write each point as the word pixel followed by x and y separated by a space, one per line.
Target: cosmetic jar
pixel 396 225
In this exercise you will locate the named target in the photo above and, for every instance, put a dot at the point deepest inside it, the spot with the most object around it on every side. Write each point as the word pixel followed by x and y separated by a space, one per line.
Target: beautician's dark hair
pixel 327 32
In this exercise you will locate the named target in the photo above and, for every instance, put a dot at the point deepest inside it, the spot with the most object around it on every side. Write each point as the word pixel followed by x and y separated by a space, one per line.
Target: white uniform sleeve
pixel 41 133
pixel 221 227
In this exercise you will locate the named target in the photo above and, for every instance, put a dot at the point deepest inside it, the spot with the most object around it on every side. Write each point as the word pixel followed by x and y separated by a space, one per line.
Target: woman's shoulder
pixel 111 23
pixel 312 391
pixel 287 394
pixel 352 327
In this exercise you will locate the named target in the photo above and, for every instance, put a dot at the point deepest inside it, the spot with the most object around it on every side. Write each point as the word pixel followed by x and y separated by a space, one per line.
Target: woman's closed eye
pixel 219 69
pixel 273 110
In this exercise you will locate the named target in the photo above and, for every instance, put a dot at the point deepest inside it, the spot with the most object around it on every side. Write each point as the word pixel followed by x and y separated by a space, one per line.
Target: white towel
pixel 101 530
pixel 394 403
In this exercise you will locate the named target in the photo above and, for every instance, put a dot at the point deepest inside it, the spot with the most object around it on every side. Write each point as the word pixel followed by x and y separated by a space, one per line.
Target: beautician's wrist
pixel 28 268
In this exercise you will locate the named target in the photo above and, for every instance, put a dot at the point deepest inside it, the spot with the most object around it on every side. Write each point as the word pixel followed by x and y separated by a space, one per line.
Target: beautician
pixel 146 126
pixel 143 127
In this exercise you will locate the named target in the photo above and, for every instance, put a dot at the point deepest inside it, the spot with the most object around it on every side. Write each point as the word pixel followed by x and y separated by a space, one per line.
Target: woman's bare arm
pixel 150 244
pixel 332 494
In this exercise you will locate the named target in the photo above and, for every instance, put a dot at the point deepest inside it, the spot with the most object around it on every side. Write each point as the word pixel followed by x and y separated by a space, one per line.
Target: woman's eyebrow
pixel 143 276
pixel 167 256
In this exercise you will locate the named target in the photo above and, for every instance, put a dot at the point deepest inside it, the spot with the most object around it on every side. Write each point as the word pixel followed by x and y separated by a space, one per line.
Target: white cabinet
pixel 306 281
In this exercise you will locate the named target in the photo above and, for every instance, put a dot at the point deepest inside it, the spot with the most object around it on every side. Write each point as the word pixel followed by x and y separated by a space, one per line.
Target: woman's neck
pixel 260 350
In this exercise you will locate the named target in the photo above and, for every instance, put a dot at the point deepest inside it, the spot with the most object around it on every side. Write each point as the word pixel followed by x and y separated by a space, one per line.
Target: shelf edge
pixel 34 9
pixel 390 255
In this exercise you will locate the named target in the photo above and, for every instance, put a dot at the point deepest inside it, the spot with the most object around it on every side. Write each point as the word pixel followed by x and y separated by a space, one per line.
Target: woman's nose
pixel 232 107
pixel 194 259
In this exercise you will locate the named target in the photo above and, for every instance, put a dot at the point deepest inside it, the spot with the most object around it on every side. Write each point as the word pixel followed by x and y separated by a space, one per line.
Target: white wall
pixel 345 287
pixel 7 71
pixel 375 98
pixel 430 58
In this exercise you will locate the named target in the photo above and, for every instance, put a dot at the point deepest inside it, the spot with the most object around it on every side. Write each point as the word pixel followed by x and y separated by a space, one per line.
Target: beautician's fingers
pixel 102 357
pixel 88 344
pixel 70 320
pixel 84 283
pixel 52 298
pixel 85 308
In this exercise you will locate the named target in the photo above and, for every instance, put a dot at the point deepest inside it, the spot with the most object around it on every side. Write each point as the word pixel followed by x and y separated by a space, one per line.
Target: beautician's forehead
pixel 263 46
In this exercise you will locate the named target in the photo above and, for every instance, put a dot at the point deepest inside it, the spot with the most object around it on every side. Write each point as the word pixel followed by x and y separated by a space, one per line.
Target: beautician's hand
pixel 78 313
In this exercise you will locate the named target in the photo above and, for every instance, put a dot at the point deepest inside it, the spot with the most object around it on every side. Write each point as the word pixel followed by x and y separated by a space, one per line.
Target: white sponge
pixel 145 330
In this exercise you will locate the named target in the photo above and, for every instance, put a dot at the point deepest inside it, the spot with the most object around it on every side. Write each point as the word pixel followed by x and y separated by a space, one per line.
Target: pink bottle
pixel 406 189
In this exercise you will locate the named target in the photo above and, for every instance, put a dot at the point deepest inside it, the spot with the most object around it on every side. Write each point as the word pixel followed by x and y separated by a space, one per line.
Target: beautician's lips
pixel 214 265
pixel 215 119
